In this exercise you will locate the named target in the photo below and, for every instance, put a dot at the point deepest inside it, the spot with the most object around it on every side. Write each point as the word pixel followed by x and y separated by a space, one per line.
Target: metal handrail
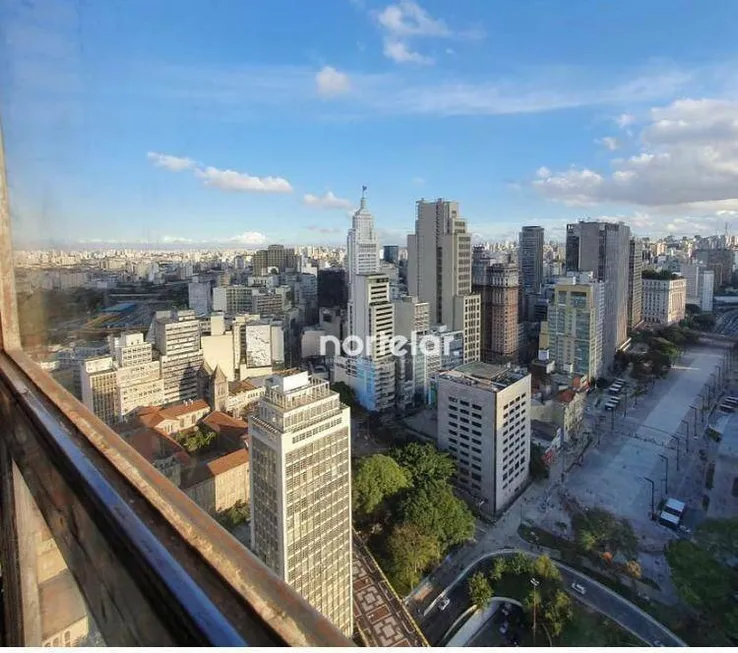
pixel 203 586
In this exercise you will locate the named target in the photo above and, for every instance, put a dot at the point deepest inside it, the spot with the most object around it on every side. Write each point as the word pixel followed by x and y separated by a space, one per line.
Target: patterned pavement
pixel 380 616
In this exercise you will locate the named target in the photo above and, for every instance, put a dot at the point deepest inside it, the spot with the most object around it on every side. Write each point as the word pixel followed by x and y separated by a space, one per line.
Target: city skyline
pixel 256 131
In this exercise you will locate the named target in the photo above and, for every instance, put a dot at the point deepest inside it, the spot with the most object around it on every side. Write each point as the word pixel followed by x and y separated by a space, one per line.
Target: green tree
pixel 519 563
pixel 410 551
pixel 557 612
pixel 424 463
pixel 480 591
pixel 499 566
pixel 434 509
pixel 237 514
pixel 376 478
pixel 544 568
pixel 197 438
pixel 345 393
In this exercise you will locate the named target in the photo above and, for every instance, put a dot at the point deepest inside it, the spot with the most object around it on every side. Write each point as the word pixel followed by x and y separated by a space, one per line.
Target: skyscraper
pixel 301 491
pixel 362 248
pixel 497 286
pixel 371 372
pixel 573 331
pixel 391 254
pixel 635 283
pixel 440 270
pixel 530 259
pixel 603 248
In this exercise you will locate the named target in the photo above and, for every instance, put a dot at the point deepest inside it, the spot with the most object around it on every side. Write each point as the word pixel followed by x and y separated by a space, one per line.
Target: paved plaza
pixel 379 616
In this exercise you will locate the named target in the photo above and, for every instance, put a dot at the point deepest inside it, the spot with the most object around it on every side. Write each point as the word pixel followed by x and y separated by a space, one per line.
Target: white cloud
pixel 624 120
pixel 249 238
pixel 688 161
pixel 609 142
pixel 173 163
pixel 331 82
pixel 408 18
pixel 398 51
pixel 327 201
pixel 230 180
pixel 419 181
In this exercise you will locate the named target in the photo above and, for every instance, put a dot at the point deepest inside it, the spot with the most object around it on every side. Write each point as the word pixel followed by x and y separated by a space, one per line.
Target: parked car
pixel 445 601
pixel 579 589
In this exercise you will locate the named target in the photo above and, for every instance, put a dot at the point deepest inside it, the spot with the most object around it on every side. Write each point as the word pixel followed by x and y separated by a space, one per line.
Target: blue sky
pixel 243 122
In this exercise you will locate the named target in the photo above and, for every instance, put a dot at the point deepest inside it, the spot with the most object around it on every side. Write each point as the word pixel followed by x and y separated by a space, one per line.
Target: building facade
pixel 664 300
pixel 176 335
pixel 700 285
pixel 720 261
pixel 300 460
pixel 362 248
pixel 530 259
pixel 99 387
pixel 573 333
pixel 603 248
pixel 484 425
pixel 635 283
pixel 498 289
pixel 440 271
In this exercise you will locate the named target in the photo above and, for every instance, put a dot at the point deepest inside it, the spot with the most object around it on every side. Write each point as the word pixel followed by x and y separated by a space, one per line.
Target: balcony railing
pixel 151 567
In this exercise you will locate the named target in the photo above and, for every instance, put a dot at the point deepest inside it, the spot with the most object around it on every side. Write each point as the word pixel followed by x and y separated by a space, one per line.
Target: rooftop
pixel 485 375
pixel 177 410
pixel 212 468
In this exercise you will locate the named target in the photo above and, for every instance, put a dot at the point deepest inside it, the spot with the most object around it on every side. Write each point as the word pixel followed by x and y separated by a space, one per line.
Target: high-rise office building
pixel 176 335
pixel 603 248
pixel 484 425
pixel 301 491
pixel 498 289
pixel 391 254
pixel 574 330
pixel 440 270
pixel 370 372
pixel 635 283
pixel 274 257
pixel 530 259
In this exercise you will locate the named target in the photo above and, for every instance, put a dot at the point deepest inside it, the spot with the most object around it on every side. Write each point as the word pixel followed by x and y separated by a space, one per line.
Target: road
pixel 436 622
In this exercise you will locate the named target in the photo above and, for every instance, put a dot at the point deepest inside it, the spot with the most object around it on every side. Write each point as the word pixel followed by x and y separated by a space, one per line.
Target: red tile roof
pixel 212 468
pixel 154 445
pixel 176 411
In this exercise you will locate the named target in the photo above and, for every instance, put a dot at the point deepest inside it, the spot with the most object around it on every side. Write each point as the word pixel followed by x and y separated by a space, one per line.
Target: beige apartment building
pixel 301 491
pixel 498 287
pixel 664 301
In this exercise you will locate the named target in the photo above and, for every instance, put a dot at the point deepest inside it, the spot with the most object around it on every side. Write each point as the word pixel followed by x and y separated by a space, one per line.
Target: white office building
pixel 301 491
pixel 484 425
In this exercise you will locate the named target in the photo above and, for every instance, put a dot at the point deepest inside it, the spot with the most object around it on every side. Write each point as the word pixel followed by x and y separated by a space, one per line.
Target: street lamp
pixel 666 463
pixel 676 437
pixel 535 584
pixel 653 490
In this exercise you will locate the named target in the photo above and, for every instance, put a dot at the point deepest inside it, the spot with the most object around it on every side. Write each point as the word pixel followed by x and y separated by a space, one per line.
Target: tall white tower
pixel 362 248
pixel 301 491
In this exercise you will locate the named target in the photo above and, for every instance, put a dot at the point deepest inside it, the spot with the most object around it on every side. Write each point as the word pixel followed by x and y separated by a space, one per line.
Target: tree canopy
pixel 480 591
pixel 435 510
pixel 424 463
pixel 410 551
pixel 376 478
pixel 600 531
